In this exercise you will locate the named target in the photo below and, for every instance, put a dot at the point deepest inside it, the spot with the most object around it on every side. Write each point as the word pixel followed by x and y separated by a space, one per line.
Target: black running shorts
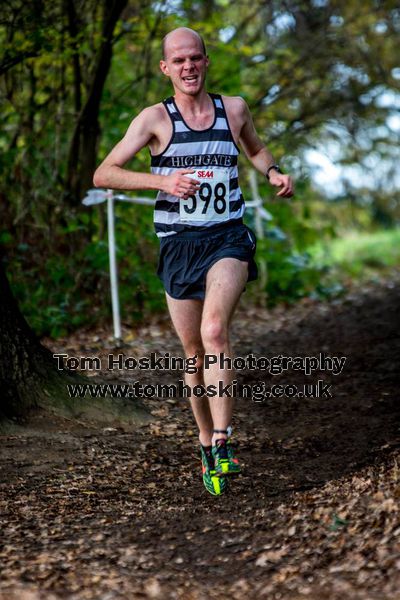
pixel 186 257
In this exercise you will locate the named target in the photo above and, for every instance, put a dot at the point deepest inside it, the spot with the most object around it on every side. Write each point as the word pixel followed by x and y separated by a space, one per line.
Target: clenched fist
pixel 178 184
pixel 282 181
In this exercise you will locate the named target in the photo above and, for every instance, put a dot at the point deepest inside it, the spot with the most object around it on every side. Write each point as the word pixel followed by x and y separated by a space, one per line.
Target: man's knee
pixel 214 334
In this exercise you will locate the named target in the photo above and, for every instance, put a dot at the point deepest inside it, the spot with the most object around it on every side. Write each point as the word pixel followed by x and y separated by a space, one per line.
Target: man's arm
pixel 259 155
pixel 111 174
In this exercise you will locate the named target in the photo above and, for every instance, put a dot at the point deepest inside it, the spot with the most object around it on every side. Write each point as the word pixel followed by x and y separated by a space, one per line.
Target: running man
pixel 206 252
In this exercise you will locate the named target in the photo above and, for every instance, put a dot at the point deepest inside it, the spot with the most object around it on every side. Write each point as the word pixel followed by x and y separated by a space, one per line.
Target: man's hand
pixel 179 185
pixel 283 181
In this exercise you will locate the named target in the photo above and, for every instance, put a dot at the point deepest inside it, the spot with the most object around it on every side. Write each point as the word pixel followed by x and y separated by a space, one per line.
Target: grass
pixel 358 254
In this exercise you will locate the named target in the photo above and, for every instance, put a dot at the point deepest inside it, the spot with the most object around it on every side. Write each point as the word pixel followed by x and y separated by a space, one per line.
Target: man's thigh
pixel 225 283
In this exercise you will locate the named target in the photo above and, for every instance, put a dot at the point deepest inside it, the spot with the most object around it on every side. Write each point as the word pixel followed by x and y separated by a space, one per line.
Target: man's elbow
pixel 98 178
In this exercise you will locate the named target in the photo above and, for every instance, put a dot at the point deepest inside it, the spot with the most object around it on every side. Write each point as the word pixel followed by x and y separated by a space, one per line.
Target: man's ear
pixel 164 68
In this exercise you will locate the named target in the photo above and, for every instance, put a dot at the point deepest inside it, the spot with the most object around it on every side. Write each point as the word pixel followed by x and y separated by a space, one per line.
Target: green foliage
pixel 70 288
pixel 290 274
pixel 312 73
pixel 359 254
pixel 295 226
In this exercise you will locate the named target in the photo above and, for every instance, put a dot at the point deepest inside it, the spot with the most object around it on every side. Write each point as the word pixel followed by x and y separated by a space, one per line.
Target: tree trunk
pixel 83 147
pixel 23 360
pixel 29 376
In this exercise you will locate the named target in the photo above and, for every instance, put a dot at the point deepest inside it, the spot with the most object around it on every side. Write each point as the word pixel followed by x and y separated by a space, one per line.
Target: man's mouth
pixel 190 78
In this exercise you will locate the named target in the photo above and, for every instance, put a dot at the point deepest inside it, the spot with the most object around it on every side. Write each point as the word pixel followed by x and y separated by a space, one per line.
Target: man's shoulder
pixel 150 118
pixel 155 110
pixel 234 103
pixel 237 112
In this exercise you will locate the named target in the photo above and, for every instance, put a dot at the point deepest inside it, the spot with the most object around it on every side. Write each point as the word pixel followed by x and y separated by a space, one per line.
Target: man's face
pixel 185 63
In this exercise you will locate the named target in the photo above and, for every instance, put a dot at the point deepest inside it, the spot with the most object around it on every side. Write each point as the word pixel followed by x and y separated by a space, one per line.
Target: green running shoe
pixel 225 462
pixel 216 485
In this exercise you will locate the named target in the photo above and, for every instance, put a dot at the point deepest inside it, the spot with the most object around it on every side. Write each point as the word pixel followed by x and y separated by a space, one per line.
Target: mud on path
pixel 116 514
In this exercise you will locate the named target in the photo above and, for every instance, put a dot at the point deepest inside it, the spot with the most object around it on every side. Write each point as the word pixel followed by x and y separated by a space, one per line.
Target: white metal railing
pixel 98 196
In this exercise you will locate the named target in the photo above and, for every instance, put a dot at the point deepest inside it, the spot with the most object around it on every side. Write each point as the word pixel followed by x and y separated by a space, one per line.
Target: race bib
pixel 211 202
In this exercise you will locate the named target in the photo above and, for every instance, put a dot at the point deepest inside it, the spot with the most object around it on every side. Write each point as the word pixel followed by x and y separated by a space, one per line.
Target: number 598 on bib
pixel 211 201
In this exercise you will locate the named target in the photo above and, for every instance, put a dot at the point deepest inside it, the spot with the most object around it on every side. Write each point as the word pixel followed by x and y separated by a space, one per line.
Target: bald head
pixel 173 36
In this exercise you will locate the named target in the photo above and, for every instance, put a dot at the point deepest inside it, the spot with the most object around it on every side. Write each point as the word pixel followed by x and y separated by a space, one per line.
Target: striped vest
pixel 209 149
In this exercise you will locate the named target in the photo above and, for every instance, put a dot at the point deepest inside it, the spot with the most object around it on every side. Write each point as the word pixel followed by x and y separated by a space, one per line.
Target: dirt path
pixel 113 514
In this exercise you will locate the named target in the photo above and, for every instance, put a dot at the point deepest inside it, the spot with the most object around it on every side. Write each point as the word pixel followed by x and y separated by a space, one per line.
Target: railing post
pixel 113 265
pixel 259 230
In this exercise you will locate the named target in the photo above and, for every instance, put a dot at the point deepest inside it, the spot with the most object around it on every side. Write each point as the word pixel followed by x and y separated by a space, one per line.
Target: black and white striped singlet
pixel 211 152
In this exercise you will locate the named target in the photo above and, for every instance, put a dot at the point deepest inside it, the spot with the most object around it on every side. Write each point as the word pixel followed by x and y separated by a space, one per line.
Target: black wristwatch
pixel 276 167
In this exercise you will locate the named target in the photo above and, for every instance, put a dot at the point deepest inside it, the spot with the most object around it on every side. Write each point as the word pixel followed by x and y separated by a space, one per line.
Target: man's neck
pixel 194 105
